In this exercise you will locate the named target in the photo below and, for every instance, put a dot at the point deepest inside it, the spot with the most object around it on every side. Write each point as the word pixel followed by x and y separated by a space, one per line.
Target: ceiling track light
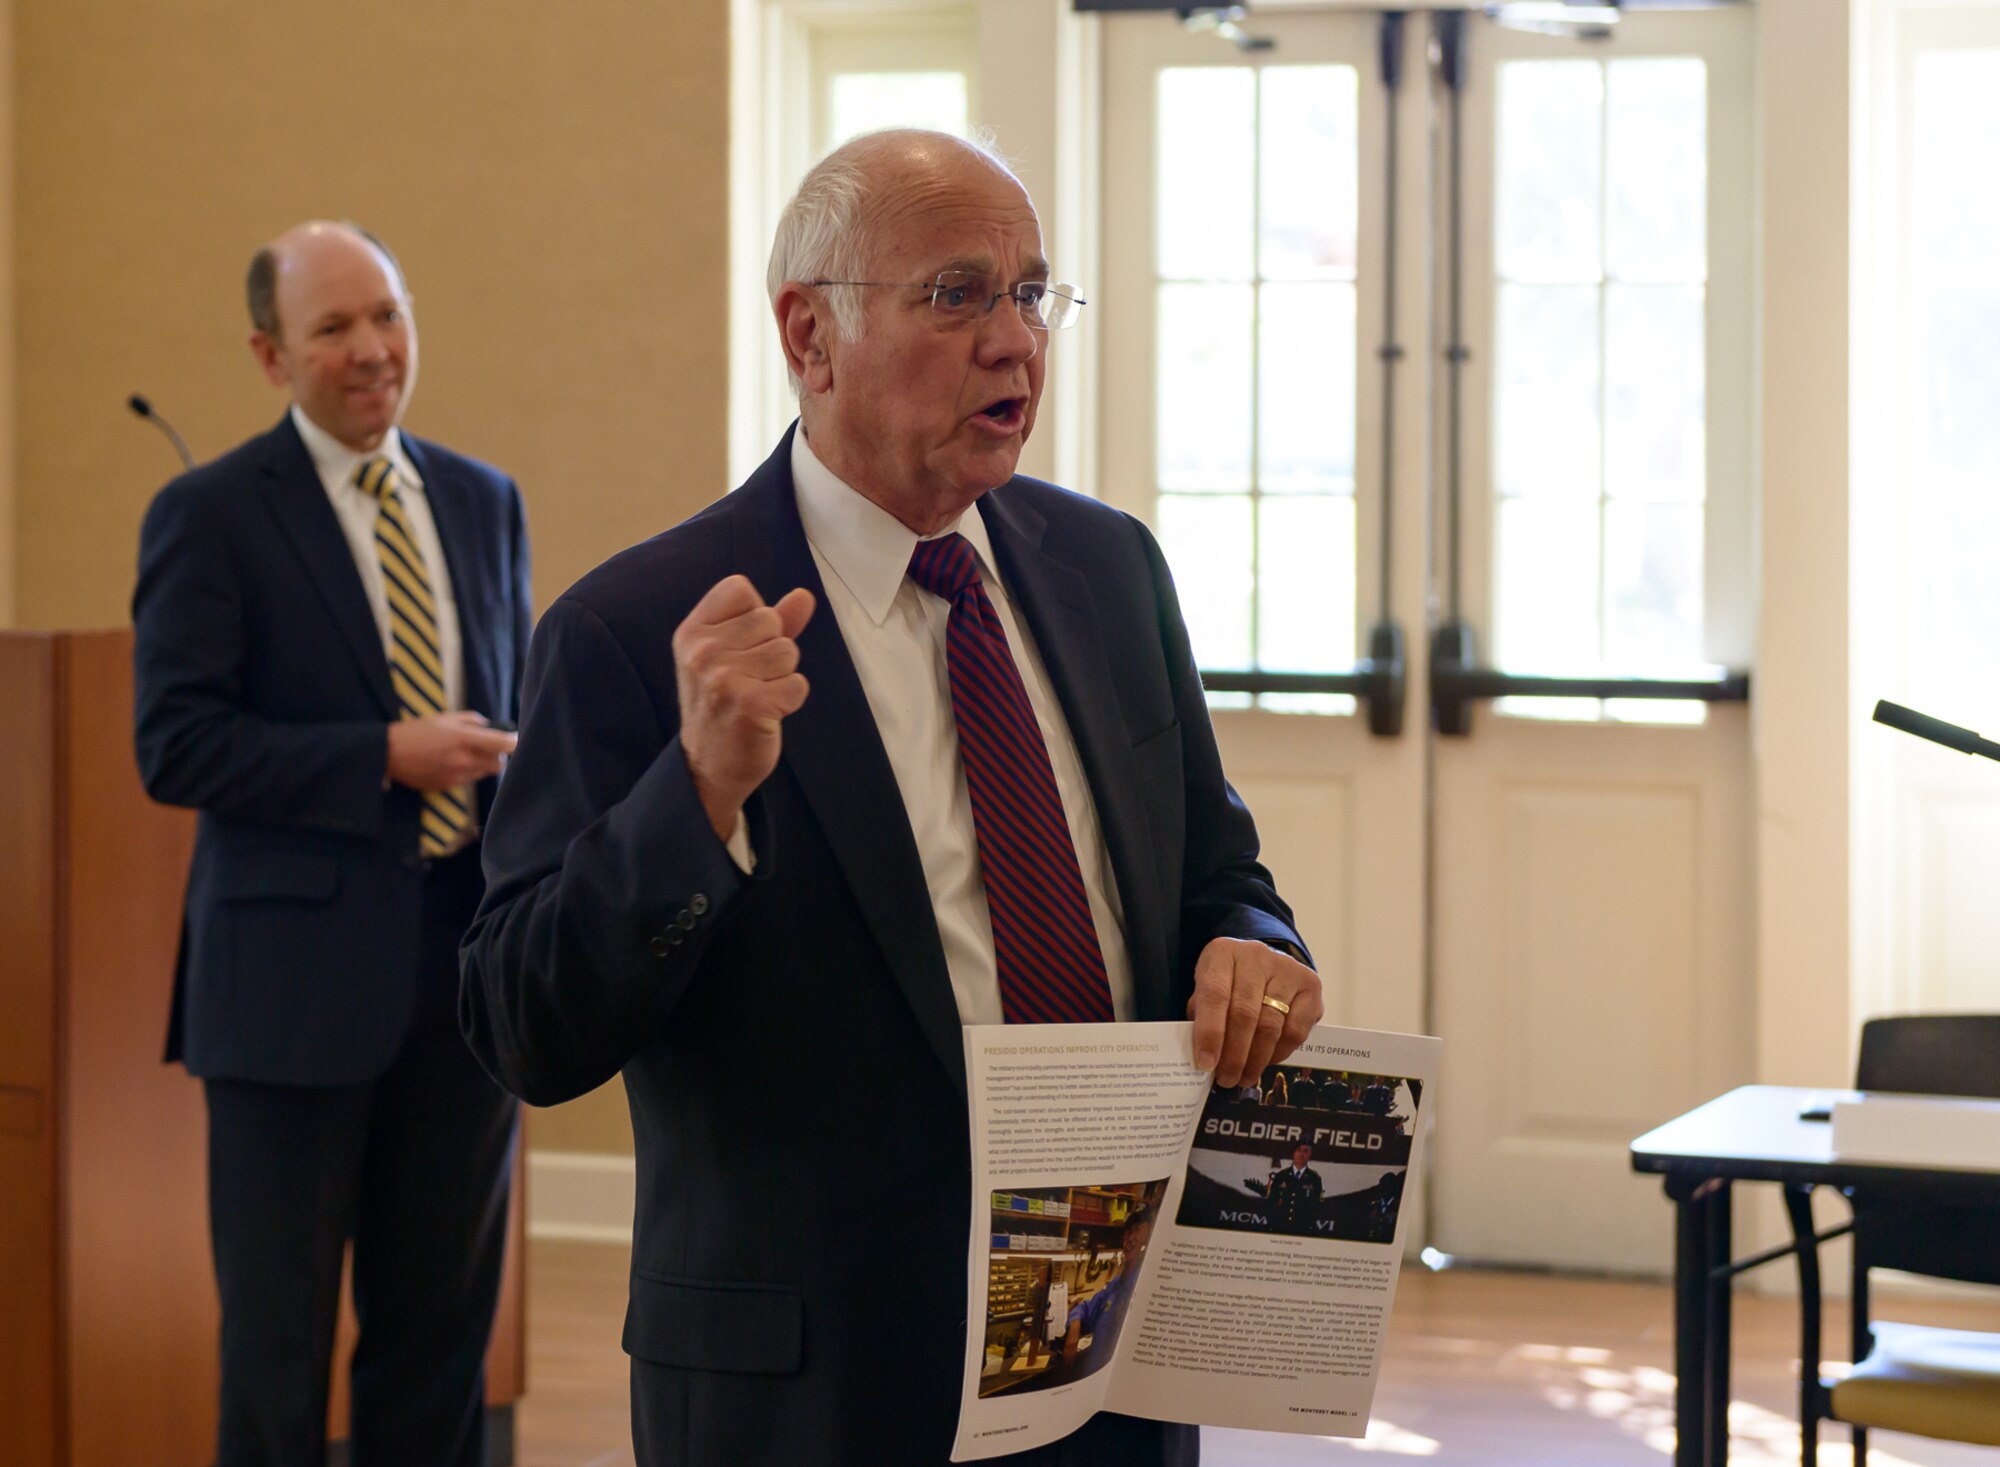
pixel 1583 20
pixel 1225 21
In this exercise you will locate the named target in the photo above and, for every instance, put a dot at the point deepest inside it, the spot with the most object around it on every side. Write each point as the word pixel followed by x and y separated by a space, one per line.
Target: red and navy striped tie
pixel 1044 941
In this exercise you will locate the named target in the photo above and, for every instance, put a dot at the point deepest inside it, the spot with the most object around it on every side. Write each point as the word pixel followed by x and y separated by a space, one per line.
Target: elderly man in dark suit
pixel 886 742
pixel 331 624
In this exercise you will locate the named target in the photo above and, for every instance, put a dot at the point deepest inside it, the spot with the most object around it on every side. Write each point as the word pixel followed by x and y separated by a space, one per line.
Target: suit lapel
pixel 1056 602
pixel 291 486
pixel 834 752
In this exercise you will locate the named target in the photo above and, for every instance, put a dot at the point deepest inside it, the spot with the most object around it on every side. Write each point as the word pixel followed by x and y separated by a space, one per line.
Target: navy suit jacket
pixel 263 701
pixel 791 1048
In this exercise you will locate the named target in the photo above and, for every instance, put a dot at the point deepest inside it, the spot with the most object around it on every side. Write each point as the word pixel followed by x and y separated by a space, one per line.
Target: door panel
pixel 1592 963
pixel 1566 903
pixel 1591 959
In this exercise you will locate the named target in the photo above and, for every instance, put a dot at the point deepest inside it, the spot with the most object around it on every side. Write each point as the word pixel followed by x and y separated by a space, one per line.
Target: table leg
pixel 1691 1320
pixel 1720 1286
pixel 1702 1246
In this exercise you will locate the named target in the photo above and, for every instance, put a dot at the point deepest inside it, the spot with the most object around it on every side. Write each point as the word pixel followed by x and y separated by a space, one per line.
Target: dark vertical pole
pixel 1385 638
pixel 1451 58
pixel 1391 351
pixel 1452 643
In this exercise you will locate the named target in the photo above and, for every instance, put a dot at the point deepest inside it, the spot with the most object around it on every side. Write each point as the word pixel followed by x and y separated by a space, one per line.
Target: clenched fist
pixel 736 665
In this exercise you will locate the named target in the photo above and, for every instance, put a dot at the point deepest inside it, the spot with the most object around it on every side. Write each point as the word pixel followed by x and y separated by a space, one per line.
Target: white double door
pixel 1567 903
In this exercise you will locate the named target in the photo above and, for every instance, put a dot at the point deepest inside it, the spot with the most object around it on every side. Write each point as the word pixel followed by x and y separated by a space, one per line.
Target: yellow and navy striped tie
pixel 416 666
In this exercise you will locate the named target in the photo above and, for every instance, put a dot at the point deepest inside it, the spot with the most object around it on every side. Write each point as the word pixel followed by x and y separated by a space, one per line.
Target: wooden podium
pixel 108 1352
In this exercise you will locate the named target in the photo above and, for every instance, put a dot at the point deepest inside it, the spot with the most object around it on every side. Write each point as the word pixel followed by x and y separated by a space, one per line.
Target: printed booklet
pixel 1146 1242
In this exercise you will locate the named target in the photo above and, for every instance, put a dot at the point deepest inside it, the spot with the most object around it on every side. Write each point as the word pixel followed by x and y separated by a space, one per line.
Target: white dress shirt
pixel 356 511
pixel 895 634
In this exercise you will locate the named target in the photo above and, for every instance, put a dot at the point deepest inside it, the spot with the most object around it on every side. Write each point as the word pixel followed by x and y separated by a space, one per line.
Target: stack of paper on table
pixel 1949 1131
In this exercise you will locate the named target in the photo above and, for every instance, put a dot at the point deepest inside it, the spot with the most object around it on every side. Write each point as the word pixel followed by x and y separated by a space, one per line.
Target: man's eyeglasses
pixel 962 295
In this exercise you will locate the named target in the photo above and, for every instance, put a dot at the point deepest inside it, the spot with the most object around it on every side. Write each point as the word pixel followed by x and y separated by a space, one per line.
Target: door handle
pixel 1458 681
pixel 1380 680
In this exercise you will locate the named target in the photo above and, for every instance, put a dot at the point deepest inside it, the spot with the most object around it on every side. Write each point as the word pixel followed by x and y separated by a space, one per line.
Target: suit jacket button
pixel 698 904
pixel 685 921
pixel 660 946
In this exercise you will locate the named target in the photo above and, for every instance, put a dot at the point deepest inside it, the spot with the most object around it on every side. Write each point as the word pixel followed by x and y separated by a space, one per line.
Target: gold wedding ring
pixel 1277 1003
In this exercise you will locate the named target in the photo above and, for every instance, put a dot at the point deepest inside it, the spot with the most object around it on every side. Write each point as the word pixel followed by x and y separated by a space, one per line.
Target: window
pixel 1951 381
pixel 808 75
pixel 1600 267
pixel 1255 299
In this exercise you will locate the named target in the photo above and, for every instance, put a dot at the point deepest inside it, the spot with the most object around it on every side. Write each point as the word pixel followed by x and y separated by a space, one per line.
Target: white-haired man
pixel 925 748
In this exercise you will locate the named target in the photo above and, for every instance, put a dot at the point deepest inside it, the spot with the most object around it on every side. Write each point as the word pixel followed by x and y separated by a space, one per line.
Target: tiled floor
pixel 1483 1368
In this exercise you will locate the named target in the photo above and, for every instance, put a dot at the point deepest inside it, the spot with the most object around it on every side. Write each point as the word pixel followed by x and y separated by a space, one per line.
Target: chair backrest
pixel 1930 1054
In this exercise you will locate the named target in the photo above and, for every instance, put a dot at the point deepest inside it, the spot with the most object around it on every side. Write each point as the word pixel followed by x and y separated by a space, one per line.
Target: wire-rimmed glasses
pixel 966 295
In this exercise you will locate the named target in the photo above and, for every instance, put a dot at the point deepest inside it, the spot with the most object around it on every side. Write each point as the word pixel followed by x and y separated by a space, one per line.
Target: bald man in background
pixel 331 622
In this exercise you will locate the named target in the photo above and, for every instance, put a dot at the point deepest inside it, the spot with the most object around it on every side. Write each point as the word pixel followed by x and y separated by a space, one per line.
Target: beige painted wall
pixel 554 178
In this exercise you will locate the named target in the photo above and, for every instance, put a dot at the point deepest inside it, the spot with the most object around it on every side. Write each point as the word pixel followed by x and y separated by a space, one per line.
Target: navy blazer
pixel 263 700
pixel 791 1048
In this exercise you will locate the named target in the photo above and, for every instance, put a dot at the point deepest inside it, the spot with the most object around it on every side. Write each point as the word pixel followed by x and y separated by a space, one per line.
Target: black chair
pixel 1936 1383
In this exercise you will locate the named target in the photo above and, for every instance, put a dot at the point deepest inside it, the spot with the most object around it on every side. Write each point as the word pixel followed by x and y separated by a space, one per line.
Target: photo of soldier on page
pixel 1305 1151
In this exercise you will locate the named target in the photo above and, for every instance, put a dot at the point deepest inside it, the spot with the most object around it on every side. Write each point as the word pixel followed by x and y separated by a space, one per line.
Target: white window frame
pixel 1036 86
pixel 1898 783
pixel 1720 39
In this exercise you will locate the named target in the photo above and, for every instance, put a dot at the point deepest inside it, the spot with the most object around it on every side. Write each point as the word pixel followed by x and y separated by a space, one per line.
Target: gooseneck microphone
pixel 1909 721
pixel 144 409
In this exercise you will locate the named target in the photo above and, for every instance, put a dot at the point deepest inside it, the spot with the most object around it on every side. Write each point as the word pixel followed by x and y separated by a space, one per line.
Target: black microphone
pixel 144 409
pixel 1909 721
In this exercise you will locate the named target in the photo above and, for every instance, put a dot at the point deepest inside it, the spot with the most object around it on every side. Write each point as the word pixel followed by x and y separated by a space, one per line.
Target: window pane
pixel 1555 710
pixel 1955 207
pixel 1207 542
pixel 1548 395
pixel 1652 587
pixel 1305 584
pixel 1676 712
pixel 1204 385
pixel 1954 383
pixel 1308 167
pixel 1545 613
pixel 1657 168
pixel 1959 427
pixel 1335 704
pixel 1954 525
pixel 1305 381
pixel 1600 403
pixel 1655 443
pixel 1551 167
pixel 1207 137
pixel 862 101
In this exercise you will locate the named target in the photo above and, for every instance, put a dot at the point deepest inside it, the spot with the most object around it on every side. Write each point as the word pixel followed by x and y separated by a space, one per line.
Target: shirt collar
pixel 863 544
pixel 336 462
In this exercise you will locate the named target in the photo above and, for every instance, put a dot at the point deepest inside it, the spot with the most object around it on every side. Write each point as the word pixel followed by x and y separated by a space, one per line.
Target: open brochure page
pixel 1146 1243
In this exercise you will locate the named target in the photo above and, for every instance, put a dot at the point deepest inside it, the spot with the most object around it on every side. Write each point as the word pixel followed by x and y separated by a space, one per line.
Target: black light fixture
pixel 1583 20
pixel 1225 21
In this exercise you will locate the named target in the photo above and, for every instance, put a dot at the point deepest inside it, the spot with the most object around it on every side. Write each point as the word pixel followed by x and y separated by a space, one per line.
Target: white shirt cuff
pixel 739 846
